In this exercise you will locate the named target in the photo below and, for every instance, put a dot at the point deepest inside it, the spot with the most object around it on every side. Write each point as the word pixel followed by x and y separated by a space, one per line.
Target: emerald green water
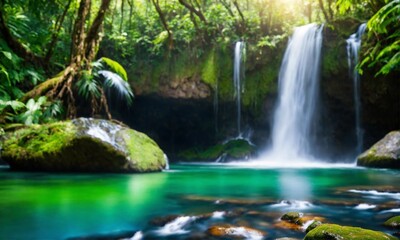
pixel 62 206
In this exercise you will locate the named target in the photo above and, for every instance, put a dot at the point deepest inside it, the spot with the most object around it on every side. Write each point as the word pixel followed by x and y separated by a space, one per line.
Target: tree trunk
pixel 191 8
pixel 164 23
pixel 83 51
pixel 56 32
pixel 321 6
pixel 243 24
pixel 16 46
pixel 122 15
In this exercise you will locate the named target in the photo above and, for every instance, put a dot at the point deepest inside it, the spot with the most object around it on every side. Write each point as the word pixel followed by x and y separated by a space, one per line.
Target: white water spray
pixel 294 121
pixel 237 81
pixel 353 48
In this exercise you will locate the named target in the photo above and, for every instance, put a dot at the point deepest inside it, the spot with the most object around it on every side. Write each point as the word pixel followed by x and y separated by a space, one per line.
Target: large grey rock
pixel 383 154
pixel 82 145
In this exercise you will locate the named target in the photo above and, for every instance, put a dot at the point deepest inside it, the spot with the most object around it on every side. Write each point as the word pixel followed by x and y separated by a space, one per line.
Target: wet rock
pixel 288 225
pixel 161 221
pixel 82 145
pixel 235 232
pixel 237 212
pixel 337 232
pixel 296 221
pixel 393 222
pixel 292 217
pixel 383 154
pixel 287 238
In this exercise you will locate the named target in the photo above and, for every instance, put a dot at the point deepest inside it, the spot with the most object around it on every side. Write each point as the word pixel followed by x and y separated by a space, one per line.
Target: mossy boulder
pixel 337 232
pixel 313 225
pixel 81 145
pixel 236 149
pixel 383 154
pixel 292 217
pixel 393 222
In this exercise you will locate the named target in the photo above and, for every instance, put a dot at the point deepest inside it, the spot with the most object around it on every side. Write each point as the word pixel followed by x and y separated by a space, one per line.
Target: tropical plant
pixel 107 77
pixel 385 28
pixel 39 111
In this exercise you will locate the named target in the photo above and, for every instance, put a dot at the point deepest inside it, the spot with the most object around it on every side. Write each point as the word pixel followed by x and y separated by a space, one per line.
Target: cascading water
pixel 237 81
pixel 353 48
pixel 294 121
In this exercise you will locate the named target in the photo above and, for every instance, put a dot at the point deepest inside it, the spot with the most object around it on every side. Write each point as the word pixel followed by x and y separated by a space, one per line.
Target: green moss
pixel 258 85
pixel 336 232
pixel 236 149
pixel 313 225
pixel 225 77
pixel 393 222
pixel 209 73
pixel 144 152
pixel 67 146
pixel 196 154
pixel 378 161
pixel 38 140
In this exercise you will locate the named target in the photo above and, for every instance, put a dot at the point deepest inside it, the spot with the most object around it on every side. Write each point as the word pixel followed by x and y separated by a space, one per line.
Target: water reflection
pixel 294 186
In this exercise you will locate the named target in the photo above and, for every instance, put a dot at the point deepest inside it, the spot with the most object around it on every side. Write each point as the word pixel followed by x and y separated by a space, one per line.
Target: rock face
pixel 336 232
pixel 383 154
pixel 186 88
pixel 82 145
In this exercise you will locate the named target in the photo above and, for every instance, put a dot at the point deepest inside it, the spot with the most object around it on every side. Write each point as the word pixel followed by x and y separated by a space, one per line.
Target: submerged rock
pixel 393 222
pixel 235 232
pixel 82 145
pixel 383 154
pixel 297 221
pixel 337 232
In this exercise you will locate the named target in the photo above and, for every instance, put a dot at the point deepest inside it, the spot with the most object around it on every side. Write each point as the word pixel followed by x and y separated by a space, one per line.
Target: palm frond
pixel 88 87
pixel 115 82
pixel 116 67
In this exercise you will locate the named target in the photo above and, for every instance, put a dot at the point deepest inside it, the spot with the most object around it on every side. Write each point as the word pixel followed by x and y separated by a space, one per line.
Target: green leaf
pixel 116 67
pixel 7 55
pixel 161 37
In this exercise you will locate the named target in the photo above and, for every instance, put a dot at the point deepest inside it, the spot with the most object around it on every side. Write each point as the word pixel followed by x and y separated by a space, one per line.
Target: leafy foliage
pixel 91 86
pixel 116 67
pixel 385 27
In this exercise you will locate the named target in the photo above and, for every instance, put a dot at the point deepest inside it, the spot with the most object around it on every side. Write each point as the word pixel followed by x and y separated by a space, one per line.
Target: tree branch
pixel 164 23
pixel 56 32
pixel 194 10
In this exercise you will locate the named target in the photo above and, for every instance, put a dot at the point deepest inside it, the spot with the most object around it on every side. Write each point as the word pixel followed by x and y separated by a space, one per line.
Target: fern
pixel 14 104
pixel 386 16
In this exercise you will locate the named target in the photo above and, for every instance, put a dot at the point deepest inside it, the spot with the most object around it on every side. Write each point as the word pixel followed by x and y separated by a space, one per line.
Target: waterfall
pixel 294 123
pixel 353 48
pixel 238 74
